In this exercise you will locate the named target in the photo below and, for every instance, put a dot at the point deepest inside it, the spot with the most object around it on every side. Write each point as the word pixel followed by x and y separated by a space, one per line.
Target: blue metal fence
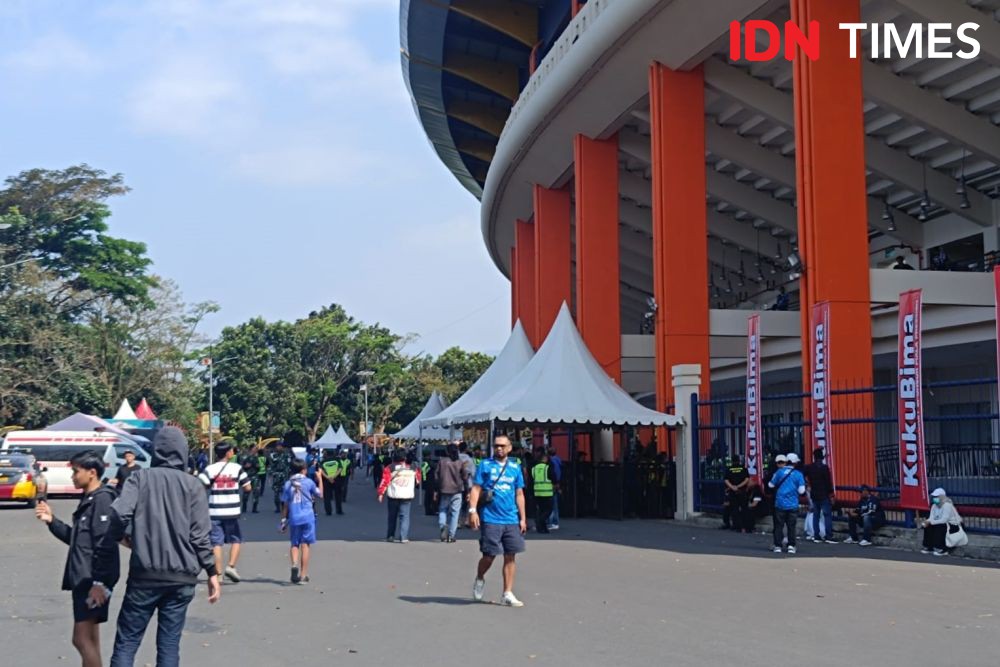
pixel 961 432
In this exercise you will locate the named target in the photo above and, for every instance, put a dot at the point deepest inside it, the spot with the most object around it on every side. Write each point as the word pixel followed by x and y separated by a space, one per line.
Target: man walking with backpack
pixel 164 511
pixel 787 484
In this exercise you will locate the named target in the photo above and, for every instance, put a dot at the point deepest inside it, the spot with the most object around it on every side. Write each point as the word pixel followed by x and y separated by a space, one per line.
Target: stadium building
pixel 627 165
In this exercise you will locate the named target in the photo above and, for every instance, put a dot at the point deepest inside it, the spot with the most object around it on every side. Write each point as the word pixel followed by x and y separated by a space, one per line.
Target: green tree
pixel 460 369
pixel 59 219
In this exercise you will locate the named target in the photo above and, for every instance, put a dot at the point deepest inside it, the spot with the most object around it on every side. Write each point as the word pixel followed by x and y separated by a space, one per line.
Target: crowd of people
pixel 790 485
pixel 178 517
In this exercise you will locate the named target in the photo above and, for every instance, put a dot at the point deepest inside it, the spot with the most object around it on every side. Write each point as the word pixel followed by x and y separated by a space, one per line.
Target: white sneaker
pixel 232 574
pixel 776 550
pixel 477 590
pixel 791 549
pixel 925 551
pixel 509 600
pixel 938 552
pixel 864 543
pixel 849 540
pixel 554 527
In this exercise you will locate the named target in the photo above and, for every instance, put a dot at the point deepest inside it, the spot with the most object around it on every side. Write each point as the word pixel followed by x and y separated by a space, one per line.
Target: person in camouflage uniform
pixel 280 464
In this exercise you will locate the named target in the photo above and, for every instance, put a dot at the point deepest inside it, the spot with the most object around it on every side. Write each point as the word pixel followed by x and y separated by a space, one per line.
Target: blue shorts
pixel 226 531
pixel 302 534
pixel 500 538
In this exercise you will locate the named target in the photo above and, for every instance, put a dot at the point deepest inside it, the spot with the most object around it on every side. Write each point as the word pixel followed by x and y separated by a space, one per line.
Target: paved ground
pixel 596 592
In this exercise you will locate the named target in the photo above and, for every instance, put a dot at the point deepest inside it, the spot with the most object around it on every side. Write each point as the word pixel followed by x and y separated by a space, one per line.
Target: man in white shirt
pixel 225 479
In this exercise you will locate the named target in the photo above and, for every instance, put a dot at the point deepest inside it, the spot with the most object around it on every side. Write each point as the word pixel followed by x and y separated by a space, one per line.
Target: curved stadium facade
pixel 627 165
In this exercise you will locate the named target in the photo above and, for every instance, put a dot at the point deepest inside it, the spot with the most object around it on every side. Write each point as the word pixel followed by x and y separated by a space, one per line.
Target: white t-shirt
pixel 225 478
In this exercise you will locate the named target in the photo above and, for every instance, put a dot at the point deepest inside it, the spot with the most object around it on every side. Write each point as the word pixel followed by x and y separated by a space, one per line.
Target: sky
pixel 275 159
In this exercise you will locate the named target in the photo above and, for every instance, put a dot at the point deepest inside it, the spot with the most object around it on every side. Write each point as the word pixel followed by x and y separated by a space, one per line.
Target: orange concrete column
pixel 524 239
pixel 680 224
pixel 513 287
pixel 833 221
pixel 552 256
pixel 598 295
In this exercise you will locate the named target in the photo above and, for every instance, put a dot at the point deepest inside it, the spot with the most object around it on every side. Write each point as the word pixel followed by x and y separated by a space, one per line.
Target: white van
pixel 54 449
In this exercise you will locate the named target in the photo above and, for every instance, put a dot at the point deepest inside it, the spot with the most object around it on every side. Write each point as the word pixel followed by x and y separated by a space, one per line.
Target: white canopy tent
pixel 125 411
pixel 514 356
pixel 335 439
pixel 564 384
pixel 414 431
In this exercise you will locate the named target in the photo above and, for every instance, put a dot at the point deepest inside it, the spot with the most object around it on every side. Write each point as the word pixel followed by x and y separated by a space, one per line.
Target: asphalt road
pixel 597 592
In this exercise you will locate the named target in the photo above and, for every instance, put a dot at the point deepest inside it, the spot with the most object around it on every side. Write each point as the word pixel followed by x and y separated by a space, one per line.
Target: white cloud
pixel 190 97
pixel 53 52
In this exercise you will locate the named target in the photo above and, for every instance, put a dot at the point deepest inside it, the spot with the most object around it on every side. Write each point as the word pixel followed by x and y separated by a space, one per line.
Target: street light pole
pixel 208 361
pixel 367 378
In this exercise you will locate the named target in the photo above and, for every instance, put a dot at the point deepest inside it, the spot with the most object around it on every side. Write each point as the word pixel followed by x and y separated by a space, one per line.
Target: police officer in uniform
pixel 544 490
pixel 329 471
pixel 737 482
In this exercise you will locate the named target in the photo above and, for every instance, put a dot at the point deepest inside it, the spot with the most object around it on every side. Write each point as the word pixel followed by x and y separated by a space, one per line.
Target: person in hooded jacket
pixel 90 524
pixel 164 514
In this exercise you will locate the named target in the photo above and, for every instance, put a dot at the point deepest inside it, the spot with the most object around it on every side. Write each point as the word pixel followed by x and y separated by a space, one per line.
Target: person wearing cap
pixel 943 514
pixel 787 484
pixel 821 493
pixel 868 515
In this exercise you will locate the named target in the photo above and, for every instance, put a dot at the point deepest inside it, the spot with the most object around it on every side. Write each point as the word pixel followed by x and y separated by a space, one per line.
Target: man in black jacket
pixel 163 512
pixel 91 521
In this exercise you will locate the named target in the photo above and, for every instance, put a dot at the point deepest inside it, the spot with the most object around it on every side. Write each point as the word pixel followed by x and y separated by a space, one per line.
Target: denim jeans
pixel 785 519
pixel 399 512
pixel 824 507
pixel 868 523
pixel 448 508
pixel 137 609
pixel 554 517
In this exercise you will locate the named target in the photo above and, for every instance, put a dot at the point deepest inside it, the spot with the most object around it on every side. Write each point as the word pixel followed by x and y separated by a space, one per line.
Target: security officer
pixel 544 489
pixel 280 464
pixel 329 471
pixel 737 482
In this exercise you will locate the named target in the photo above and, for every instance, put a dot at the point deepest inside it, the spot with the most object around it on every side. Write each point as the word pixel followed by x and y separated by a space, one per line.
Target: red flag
pixel 753 430
pixel 909 383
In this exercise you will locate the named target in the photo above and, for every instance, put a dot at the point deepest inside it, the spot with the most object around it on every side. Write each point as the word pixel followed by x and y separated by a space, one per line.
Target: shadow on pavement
pixel 434 599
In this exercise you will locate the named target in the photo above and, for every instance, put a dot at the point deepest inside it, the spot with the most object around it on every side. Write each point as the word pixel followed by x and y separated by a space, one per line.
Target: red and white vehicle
pixel 54 450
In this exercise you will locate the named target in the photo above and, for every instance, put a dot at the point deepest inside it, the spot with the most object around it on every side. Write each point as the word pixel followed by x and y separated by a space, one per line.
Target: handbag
pixel 956 536
pixel 487 497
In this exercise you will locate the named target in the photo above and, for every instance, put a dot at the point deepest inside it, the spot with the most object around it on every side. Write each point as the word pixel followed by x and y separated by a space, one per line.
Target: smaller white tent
pixel 125 411
pixel 514 356
pixel 328 439
pixel 413 431
pixel 564 384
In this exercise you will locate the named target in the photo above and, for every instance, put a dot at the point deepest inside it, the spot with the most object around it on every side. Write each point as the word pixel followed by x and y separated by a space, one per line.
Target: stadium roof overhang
pixel 465 63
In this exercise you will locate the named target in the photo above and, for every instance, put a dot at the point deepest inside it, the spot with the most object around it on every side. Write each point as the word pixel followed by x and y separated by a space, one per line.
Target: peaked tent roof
pixel 564 384
pixel 514 356
pixel 435 405
pixel 329 437
pixel 344 440
pixel 144 411
pixel 125 411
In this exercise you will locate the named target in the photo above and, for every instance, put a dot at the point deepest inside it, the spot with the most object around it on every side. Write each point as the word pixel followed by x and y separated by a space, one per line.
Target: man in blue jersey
pixel 498 492
pixel 787 484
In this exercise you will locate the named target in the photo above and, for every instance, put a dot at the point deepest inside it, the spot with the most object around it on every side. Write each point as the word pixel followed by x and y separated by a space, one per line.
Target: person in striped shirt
pixel 225 479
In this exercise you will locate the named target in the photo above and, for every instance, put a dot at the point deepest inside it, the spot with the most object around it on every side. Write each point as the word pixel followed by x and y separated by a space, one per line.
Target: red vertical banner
pixel 819 350
pixel 912 455
pixel 753 430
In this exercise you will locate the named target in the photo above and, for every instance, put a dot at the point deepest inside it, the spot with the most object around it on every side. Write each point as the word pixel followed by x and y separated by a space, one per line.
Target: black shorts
pixel 499 538
pixel 82 613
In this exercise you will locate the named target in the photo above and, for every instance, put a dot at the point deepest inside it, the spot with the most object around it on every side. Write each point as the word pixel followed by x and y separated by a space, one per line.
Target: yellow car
pixel 21 478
